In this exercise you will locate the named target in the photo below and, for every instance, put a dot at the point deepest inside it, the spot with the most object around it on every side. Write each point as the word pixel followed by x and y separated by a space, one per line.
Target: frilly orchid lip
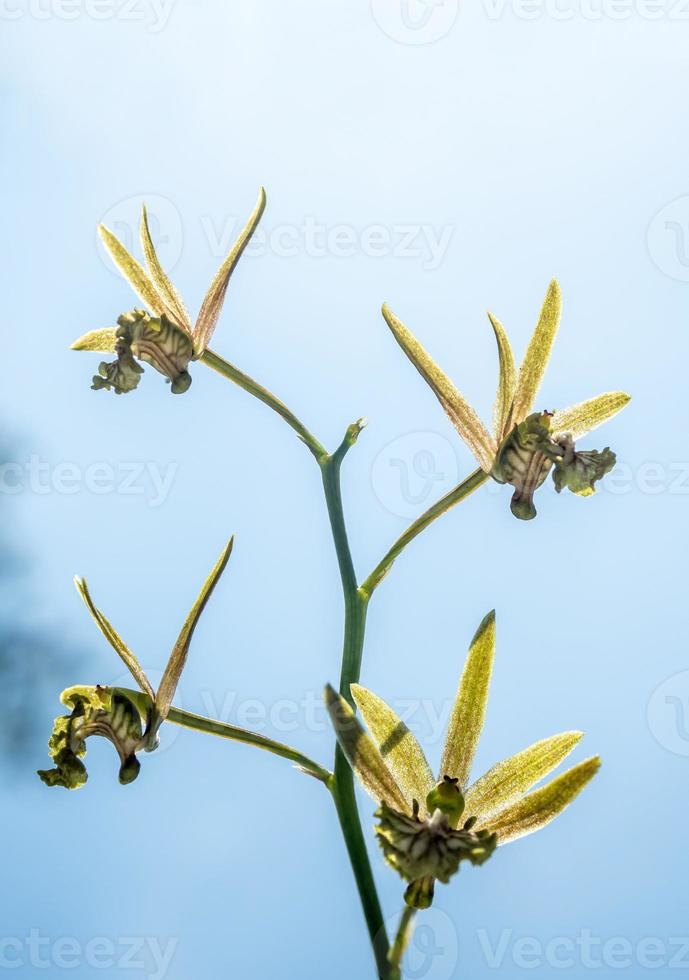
pixel 529 453
pixel 166 338
pixel 516 393
pixel 419 816
pixel 108 712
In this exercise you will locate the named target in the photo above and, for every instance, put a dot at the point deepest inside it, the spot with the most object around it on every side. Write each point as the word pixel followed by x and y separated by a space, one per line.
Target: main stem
pixel 342 785
pixel 356 599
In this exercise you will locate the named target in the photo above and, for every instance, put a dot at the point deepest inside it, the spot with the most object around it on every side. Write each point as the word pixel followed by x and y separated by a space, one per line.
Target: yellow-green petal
pixel 460 412
pixel 502 410
pixel 103 341
pixel 160 278
pixel 537 354
pixel 180 651
pixel 540 807
pixel 507 781
pixel 113 638
pixel 583 418
pixel 215 297
pixel 362 753
pixel 469 711
pixel 398 746
pixel 135 275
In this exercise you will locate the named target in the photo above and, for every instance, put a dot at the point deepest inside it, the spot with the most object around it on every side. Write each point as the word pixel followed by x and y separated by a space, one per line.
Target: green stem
pixel 462 490
pixel 232 373
pixel 200 724
pixel 356 599
pixel 399 946
pixel 356 605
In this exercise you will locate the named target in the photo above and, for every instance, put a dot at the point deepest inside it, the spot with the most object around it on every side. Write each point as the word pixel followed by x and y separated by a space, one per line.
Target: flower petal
pixel 215 297
pixel 178 657
pixel 466 720
pixel 460 412
pixel 398 746
pixel 507 781
pixel 540 807
pixel 362 753
pixel 115 641
pixel 537 354
pixel 103 341
pixel 579 420
pixel 164 287
pixel 135 275
pixel 502 410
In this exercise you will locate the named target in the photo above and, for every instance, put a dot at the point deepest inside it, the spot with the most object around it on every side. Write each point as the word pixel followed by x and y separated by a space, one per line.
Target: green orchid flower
pixel 129 719
pixel 163 335
pixel 428 825
pixel 523 446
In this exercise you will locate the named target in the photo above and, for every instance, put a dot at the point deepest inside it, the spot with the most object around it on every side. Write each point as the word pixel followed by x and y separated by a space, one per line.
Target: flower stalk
pixel 428 825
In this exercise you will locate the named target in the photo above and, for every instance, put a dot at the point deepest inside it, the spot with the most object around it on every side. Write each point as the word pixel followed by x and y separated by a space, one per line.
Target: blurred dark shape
pixel 33 657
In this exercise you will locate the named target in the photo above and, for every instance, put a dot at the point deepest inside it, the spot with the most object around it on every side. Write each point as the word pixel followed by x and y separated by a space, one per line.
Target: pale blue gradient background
pixel 548 147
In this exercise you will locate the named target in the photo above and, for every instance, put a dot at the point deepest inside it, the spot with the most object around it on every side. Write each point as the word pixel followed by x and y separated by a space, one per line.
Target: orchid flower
pixel 427 825
pixel 163 335
pixel 524 445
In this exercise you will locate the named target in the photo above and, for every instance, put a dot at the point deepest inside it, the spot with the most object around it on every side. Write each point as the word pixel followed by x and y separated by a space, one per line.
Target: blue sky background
pixel 530 147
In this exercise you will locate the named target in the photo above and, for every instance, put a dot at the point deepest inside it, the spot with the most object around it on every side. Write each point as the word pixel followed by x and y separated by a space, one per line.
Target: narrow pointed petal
pixel 537 354
pixel 579 420
pixel 178 657
pixel 398 746
pixel 215 297
pixel 97 340
pixel 162 283
pixel 540 807
pixel 135 275
pixel 466 721
pixel 502 410
pixel 115 641
pixel 362 753
pixel 507 781
pixel 460 412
